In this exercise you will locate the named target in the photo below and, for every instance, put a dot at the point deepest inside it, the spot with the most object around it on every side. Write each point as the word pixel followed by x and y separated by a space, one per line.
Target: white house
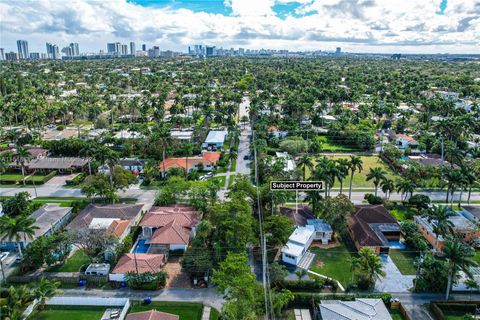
pixel 359 309
pixel 323 231
pixel 289 162
pixel 403 142
pixel 297 245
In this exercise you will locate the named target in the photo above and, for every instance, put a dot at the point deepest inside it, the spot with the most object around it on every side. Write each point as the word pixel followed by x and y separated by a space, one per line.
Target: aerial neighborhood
pixel 136 187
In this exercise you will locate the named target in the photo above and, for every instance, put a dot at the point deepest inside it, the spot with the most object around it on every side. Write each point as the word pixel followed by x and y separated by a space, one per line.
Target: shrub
pixel 60 127
pixel 372 199
pixel 306 300
pixel 146 281
pixel 419 201
pixel 300 285
pixel 77 180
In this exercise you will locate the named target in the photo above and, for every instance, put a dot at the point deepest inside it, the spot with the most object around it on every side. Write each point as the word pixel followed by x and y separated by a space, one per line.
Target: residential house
pixel 462 227
pixel 97 269
pixel 60 164
pixel 137 263
pixel 359 309
pixel 289 162
pixel 169 228
pixel 274 131
pixel 405 142
pixel 151 315
pixel 374 227
pixel 206 162
pixel 184 135
pixel 215 139
pixel 303 217
pixel 48 219
pixel 57 135
pixel 323 231
pixel 134 165
pixel 297 245
pixel 115 219
pixel 127 134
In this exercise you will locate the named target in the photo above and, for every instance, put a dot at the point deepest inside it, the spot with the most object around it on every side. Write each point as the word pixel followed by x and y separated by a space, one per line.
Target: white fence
pixel 84 301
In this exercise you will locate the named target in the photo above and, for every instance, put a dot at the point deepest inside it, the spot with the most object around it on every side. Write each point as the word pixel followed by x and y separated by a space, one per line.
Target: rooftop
pixel 360 309
pixel 142 262
pixel 215 136
pixel 301 235
pixel 48 216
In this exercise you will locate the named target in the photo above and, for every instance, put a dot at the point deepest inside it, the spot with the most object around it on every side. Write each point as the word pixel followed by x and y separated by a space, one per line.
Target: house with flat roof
pixel 297 245
pixel 215 139
pixel 169 228
pixel 359 309
pixel 48 219
pixel 464 228
pixel 138 263
pixel 374 227
pixel 289 162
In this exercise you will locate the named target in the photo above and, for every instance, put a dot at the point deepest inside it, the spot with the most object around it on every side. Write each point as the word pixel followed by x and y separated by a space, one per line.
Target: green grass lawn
pixel 68 312
pixel 13 177
pixel 360 178
pixel 404 261
pixel 73 264
pixel 231 181
pixel 402 213
pixel 214 314
pixel 333 263
pixel 220 181
pixel 329 145
pixel 396 315
pixel 186 310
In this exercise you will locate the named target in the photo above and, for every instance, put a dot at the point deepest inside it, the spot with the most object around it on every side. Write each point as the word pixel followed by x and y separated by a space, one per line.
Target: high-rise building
pixel 22 47
pixel 50 50
pixel 111 47
pixel 55 52
pixel 132 48
pixel 144 47
pixel 124 49
pixel 11 56
pixel 35 55
pixel 338 51
pixel 75 49
pixel 209 51
pixel 2 54
pixel 68 51
pixel 118 47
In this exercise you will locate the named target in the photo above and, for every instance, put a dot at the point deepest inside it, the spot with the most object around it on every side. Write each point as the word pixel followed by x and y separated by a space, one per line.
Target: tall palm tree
pixel 468 179
pixel 45 289
pixel 110 158
pixel 459 257
pixel 376 174
pixel 388 186
pixel 187 148
pixel 405 186
pixel 454 179
pixel 313 198
pixel 15 228
pixel 341 171
pixel 233 155
pixel 21 158
pixel 355 164
pixel 303 163
pixel 439 217
pixel 88 151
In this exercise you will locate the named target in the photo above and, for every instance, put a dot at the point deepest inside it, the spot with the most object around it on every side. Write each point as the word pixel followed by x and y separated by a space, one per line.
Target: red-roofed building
pixel 403 141
pixel 206 162
pixel 169 228
pixel 139 262
pixel 151 315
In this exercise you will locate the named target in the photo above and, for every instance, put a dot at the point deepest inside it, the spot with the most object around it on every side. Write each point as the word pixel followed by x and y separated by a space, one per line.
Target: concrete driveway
pixel 394 280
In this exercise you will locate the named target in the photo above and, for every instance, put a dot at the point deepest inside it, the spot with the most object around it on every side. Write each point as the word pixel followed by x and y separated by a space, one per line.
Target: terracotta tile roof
pixel 171 234
pixel 367 221
pixel 111 211
pixel 118 227
pixel 405 137
pixel 208 158
pixel 144 263
pixel 152 315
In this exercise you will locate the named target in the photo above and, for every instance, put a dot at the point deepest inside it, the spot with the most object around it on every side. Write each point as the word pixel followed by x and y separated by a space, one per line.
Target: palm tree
pixel 232 156
pixel 21 158
pixel 187 148
pixel 439 215
pixel 376 174
pixel 355 164
pixel 45 289
pixel 459 257
pixel 454 179
pixel 88 151
pixel 388 186
pixel 14 228
pixel 313 198
pixel 303 163
pixel 468 179
pixel 341 171
pixel 16 301
pixel 405 187
pixel 110 158
pixel 369 264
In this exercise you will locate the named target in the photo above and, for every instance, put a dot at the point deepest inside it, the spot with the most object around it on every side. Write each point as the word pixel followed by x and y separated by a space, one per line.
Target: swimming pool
pixel 142 247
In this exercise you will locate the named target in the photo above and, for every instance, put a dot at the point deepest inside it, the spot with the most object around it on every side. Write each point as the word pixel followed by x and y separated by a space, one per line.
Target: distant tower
pixel 144 47
pixel 22 46
pixel 132 48
pixel 338 51
pixel 2 54
pixel 75 49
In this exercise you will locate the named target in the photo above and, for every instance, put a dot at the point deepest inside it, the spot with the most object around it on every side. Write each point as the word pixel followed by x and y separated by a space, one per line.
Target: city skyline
pixel 434 26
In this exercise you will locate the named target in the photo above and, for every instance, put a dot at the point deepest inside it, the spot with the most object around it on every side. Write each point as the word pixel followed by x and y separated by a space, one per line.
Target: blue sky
pixel 408 26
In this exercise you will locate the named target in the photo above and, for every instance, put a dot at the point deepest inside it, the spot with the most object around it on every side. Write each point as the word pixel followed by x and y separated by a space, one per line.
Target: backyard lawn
pixel 396 315
pixel 186 310
pixel 404 261
pixel 333 263
pixel 68 312
pixel 360 178
pixel 214 314
pixel 73 264
pixel 18 177
pixel 402 213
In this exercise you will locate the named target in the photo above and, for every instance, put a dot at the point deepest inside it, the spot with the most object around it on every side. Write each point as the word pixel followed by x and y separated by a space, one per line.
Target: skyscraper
pixel 111 47
pixel 35 55
pixel 55 52
pixel 11 56
pixel 68 51
pixel 338 51
pixel 49 50
pixel 75 49
pixel 132 48
pixel 124 49
pixel 144 47
pixel 22 46
pixel 2 55
pixel 118 47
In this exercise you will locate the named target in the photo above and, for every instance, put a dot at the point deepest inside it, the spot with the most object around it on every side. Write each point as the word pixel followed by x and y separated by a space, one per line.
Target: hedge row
pixel 307 300
pixel 29 181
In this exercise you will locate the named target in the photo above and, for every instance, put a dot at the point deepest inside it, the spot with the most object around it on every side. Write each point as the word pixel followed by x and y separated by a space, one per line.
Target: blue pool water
pixel 141 247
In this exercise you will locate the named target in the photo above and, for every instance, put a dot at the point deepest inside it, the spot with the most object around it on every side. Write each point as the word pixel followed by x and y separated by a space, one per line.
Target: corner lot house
pixel 139 262
pixel 374 227
pixel 116 219
pixel 169 228
pixel 151 315
pixel 464 228
pixel 48 218
pixel 215 139
pixel 206 162
pixel 296 248
pixel 360 309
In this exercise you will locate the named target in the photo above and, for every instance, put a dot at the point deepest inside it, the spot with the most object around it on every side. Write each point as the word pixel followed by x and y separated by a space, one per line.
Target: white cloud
pixel 357 25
